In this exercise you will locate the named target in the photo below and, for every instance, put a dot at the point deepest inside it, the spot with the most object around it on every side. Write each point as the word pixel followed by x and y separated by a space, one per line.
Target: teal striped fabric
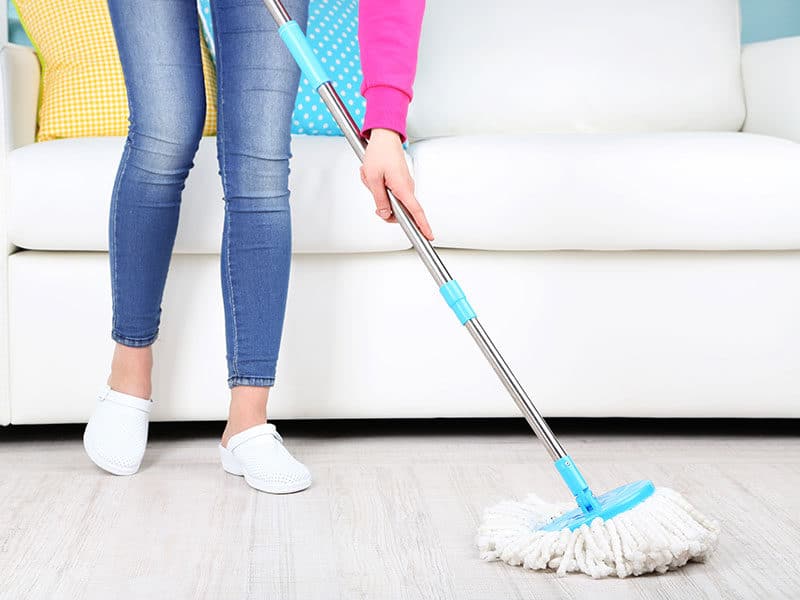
pixel 15 32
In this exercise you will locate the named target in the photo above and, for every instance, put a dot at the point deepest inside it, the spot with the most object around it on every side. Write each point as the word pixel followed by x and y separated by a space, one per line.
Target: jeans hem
pixel 235 380
pixel 134 342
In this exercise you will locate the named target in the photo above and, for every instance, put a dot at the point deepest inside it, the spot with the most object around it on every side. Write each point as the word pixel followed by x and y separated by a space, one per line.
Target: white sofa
pixel 616 187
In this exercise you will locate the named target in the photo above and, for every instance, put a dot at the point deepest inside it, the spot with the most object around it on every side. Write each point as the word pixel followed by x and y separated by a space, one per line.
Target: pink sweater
pixel 388 36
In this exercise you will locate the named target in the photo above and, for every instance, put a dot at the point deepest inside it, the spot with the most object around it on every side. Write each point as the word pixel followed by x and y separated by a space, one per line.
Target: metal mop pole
pixel 298 45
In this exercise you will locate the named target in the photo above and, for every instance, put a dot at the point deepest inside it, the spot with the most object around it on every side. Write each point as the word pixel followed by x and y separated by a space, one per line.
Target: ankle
pixel 131 370
pixel 134 386
pixel 248 408
pixel 237 424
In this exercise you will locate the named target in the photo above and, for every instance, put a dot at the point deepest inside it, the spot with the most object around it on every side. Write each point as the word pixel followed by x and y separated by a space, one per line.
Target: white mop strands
pixel 661 533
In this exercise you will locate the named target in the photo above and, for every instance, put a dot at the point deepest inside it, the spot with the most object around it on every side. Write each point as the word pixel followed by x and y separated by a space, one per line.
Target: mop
pixel 634 529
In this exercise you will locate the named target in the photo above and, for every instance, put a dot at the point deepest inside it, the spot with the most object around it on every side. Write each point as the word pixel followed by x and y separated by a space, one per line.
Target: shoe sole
pixel 231 465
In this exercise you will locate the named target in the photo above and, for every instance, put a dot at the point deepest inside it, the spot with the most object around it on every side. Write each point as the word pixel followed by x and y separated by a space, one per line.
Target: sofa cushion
pixel 83 88
pixel 579 66
pixel 690 191
pixel 332 30
pixel 60 192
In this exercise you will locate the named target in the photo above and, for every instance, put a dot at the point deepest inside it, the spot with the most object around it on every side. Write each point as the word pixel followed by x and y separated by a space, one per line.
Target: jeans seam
pixel 257 380
pixel 232 298
pixel 137 342
pixel 223 162
pixel 112 243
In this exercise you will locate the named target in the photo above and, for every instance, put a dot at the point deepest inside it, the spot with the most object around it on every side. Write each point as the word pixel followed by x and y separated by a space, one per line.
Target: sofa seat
pixel 653 191
pixel 60 193
pixel 589 334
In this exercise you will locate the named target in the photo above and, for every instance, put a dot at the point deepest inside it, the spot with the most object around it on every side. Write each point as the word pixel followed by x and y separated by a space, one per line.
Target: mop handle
pixel 314 71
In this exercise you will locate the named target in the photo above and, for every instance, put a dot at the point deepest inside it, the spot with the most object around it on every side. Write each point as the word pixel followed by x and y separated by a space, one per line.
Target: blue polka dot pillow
pixel 332 31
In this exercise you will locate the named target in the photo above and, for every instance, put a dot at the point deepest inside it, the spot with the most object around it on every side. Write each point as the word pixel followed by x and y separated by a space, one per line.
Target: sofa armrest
pixel 19 100
pixel 771 72
pixel 19 96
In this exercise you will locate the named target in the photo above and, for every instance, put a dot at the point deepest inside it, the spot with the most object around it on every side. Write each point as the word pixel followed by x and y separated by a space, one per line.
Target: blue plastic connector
pixel 298 45
pixel 613 503
pixel 455 298
pixel 577 485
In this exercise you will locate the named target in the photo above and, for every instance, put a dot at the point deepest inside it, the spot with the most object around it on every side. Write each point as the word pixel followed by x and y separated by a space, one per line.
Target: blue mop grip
pixel 455 298
pixel 298 45
pixel 577 484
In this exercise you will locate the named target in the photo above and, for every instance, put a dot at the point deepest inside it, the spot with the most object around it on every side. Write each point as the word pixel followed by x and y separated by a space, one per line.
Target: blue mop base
pixel 611 504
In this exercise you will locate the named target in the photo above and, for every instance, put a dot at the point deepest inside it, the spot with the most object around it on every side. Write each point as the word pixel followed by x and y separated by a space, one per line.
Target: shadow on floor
pixel 334 428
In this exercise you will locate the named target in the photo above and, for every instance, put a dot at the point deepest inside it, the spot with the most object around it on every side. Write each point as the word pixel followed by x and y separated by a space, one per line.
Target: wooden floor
pixel 391 515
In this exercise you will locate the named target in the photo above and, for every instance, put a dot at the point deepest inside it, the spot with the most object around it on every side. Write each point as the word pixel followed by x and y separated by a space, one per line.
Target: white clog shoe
pixel 116 434
pixel 258 454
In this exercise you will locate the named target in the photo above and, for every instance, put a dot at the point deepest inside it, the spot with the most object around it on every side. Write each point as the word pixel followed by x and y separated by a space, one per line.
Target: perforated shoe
pixel 258 454
pixel 116 434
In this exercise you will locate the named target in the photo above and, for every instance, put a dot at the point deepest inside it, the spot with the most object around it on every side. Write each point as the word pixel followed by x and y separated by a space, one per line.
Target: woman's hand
pixel 385 167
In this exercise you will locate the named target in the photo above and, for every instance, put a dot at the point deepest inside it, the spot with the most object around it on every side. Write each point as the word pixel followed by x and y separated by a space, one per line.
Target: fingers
pixel 375 184
pixel 404 192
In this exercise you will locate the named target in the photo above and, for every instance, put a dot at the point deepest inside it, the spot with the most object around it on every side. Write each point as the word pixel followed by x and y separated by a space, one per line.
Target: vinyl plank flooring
pixel 391 515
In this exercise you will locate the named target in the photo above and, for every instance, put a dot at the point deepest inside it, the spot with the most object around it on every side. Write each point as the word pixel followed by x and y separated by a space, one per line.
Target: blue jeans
pixel 257 80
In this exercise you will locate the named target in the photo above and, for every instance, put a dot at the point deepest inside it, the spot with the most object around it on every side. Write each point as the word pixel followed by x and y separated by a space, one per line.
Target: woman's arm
pixel 388 33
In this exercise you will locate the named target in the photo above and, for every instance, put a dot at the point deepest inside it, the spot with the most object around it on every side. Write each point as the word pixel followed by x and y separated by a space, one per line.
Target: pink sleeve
pixel 388 36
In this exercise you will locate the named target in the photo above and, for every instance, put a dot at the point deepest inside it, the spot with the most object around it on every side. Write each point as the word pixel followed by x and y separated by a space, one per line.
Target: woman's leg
pixel 159 48
pixel 257 81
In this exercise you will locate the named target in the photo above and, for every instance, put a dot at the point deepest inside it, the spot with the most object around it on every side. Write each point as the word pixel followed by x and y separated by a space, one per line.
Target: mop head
pixel 661 533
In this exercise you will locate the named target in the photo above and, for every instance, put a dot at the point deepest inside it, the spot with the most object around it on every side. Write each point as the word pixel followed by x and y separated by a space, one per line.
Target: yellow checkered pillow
pixel 82 88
